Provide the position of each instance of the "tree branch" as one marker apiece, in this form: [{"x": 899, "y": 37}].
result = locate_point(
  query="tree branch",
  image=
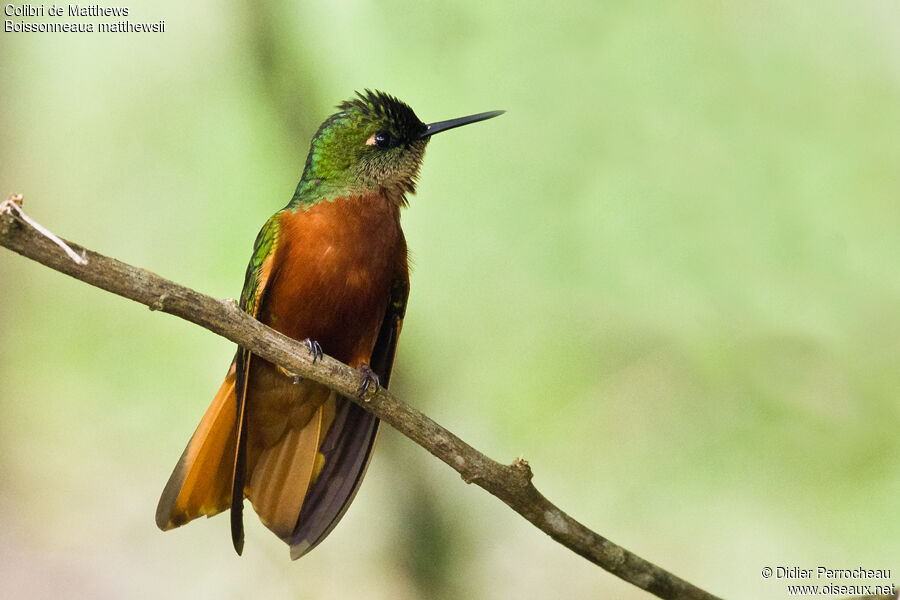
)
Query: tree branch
[{"x": 510, "y": 483}]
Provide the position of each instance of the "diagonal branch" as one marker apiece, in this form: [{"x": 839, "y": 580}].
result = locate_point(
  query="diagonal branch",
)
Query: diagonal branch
[{"x": 510, "y": 483}]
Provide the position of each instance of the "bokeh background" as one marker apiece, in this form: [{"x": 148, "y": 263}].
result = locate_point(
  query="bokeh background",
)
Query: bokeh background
[{"x": 669, "y": 277}]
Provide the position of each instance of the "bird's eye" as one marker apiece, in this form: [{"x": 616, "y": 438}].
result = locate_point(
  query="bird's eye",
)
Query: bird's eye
[{"x": 384, "y": 139}]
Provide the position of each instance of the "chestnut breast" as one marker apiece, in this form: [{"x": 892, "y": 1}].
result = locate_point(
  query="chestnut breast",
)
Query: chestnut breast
[{"x": 332, "y": 274}]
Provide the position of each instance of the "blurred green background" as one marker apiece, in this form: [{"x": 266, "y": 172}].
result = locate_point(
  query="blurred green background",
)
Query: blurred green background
[{"x": 669, "y": 277}]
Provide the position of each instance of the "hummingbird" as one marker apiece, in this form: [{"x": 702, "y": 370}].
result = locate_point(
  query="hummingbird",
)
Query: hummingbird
[{"x": 329, "y": 269}]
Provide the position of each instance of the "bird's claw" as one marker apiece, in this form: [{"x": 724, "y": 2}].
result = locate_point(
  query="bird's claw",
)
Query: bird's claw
[
  {"x": 315, "y": 349},
  {"x": 369, "y": 381}
]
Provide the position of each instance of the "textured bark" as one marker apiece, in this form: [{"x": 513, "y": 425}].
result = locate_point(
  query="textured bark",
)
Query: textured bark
[{"x": 510, "y": 483}]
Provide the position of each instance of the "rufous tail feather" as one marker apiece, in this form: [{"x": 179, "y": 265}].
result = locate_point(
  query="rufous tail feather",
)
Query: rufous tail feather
[
  {"x": 282, "y": 474},
  {"x": 201, "y": 481}
]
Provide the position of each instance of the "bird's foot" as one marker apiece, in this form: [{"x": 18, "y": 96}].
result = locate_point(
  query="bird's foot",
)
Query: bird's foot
[
  {"x": 296, "y": 378},
  {"x": 369, "y": 380},
  {"x": 315, "y": 349}
]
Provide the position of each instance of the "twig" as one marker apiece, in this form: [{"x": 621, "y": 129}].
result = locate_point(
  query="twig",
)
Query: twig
[
  {"x": 510, "y": 483},
  {"x": 13, "y": 204}
]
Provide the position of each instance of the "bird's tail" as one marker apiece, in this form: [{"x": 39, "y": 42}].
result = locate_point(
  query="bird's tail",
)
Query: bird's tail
[
  {"x": 300, "y": 486},
  {"x": 280, "y": 476}
]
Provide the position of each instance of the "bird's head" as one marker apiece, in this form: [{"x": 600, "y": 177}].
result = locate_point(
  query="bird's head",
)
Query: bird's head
[{"x": 374, "y": 143}]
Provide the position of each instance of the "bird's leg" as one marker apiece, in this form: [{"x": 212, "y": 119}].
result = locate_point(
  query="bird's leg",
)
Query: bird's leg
[
  {"x": 369, "y": 380},
  {"x": 315, "y": 350}
]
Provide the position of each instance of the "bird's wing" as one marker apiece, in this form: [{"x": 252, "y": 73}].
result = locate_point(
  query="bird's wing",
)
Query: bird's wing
[
  {"x": 347, "y": 446},
  {"x": 259, "y": 272}
]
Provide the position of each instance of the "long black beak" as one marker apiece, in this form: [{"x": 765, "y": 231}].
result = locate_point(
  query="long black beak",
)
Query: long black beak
[{"x": 440, "y": 126}]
